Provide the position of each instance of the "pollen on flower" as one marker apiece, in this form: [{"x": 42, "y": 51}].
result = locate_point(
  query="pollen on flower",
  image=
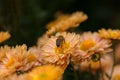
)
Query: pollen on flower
[
  {"x": 63, "y": 47},
  {"x": 87, "y": 44}
]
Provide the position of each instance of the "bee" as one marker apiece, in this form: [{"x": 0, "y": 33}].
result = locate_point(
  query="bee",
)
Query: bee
[
  {"x": 96, "y": 57},
  {"x": 59, "y": 41}
]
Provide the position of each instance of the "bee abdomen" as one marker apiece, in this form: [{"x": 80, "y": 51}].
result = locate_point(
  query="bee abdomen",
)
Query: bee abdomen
[{"x": 59, "y": 40}]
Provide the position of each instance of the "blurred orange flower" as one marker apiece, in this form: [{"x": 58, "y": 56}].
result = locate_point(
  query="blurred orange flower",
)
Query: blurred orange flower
[
  {"x": 110, "y": 34},
  {"x": 64, "y": 22},
  {"x": 4, "y": 36},
  {"x": 47, "y": 72},
  {"x": 16, "y": 59}
]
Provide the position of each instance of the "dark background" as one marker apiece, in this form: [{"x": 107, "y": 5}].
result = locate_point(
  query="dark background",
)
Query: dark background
[{"x": 26, "y": 19}]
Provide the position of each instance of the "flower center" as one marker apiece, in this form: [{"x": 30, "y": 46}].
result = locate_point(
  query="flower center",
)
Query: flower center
[
  {"x": 87, "y": 44},
  {"x": 62, "y": 48}
]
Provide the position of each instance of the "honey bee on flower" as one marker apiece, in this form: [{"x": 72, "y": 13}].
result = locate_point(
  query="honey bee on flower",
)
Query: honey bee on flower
[
  {"x": 59, "y": 48},
  {"x": 60, "y": 41}
]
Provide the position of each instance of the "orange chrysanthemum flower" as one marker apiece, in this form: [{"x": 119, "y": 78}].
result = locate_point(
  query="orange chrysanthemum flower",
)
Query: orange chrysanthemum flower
[
  {"x": 90, "y": 43},
  {"x": 17, "y": 59},
  {"x": 110, "y": 34},
  {"x": 4, "y": 36},
  {"x": 42, "y": 40},
  {"x": 65, "y": 22},
  {"x": 57, "y": 50},
  {"x": 105, "y": 63},
  {"x": 47, "y": 72}
]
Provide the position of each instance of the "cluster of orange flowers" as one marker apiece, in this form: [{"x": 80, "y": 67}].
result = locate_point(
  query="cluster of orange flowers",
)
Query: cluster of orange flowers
[{"x": 57, "y": 48}]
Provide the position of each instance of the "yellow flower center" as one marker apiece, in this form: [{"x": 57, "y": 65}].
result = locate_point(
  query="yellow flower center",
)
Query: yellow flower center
[
  {"x": 87, "y": 44},
  {"x": 116, "y": 77},
  {"x": 62, "y": 48},
  {"x": 10, "y": 62}
]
